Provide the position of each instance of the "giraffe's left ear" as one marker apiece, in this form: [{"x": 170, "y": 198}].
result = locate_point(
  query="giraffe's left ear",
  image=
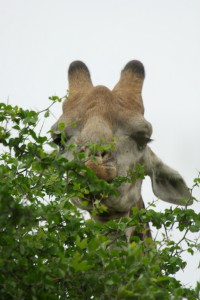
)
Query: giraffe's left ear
[{"x": 167, "y": 183}]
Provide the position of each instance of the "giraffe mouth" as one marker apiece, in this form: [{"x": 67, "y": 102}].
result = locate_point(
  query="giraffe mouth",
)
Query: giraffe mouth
[{"x": 103, "y": 171}]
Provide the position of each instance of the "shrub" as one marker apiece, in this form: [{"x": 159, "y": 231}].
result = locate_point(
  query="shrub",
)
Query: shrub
[{"x": 48, "y": 250}]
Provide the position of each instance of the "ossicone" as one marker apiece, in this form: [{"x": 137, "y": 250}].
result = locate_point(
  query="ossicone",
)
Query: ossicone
[
  {"x": 77, "y": 65},
  {"x": 79, "y": 77},
  {"x": 130, "y": 83},
  {"x": 136, "y": 67}
]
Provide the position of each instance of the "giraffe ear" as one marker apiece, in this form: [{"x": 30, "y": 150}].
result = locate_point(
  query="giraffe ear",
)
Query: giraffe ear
[{"x": 167, "y": 183}]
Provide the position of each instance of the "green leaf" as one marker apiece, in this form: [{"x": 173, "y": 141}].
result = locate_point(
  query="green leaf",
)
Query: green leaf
[
  {"x": 55, "y": 99},
  {"x": 46, "y": 115}
]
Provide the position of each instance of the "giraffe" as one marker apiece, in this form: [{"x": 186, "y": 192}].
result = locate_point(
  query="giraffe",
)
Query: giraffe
[{"x": 101, "y": 114}]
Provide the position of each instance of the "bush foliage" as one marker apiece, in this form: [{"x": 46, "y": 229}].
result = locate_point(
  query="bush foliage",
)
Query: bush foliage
[{"x": 48, "y": 250}]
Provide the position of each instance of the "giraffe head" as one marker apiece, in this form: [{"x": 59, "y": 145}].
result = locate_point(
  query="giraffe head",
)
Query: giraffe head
[{"x": 116, "y": 116}]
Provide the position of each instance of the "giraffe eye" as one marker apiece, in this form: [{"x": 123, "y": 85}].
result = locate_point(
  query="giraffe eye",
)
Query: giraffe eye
[
  {"x": 141, "y": 141},
  {"x": 58, "y": 140}
]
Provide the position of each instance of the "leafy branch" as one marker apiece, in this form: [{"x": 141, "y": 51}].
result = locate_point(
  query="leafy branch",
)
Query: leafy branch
[{"x": 48, "y": 250}]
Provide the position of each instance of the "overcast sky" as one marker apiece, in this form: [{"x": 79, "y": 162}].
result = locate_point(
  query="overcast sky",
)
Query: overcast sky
[{"x": 40, "y": 38}]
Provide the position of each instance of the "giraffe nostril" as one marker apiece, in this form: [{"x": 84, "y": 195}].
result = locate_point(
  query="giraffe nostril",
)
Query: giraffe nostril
[
  {"x": 101, "y": 154},
  {"x": 85, "y": 150}
]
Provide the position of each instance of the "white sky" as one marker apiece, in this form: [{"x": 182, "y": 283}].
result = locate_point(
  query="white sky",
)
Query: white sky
[{"x": 40, "y": 38}]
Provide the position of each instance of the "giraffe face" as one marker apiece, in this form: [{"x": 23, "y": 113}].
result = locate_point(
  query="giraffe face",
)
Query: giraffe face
[{"x": 99, "y": 115}]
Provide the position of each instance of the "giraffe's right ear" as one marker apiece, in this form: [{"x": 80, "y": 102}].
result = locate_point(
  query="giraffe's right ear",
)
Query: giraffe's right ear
[
  {"x": 167, "y": 183},
  {"x": 79, "y": 77}
]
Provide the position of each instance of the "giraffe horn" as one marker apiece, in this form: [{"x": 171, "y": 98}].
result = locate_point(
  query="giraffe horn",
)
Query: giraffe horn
[
  {"x": 79, "y": 77},
  {"x": 132, "y": 77},
  {"x": 131, "y": 81}
]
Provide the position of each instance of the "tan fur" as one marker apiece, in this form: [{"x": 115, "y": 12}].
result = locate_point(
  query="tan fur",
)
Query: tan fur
[{"x": 101, "y": 116}]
